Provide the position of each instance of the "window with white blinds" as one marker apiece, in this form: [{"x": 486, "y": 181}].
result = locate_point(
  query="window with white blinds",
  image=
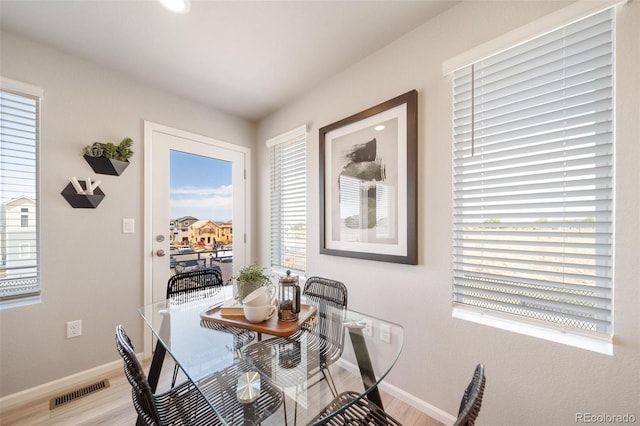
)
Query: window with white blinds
[
  {"x": 533, "y": 179},
  {"x": 19, "y": 220},
  {"x": 289, "y": 200}
]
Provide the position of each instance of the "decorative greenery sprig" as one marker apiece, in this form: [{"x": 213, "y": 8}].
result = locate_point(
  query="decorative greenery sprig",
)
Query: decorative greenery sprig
[
  {"x": 250, "y": 278},
  {"x": 124, "y": 149},
  {"x": 253, "y": 274},
  {"x": 110, "y": 150},
  {"x": 120, "y": 152}
]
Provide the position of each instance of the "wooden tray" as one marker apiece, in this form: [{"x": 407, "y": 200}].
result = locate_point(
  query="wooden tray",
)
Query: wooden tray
[{"x": 271, "y": 326}]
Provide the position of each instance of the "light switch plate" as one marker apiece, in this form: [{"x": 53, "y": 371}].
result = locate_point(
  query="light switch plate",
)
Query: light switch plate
[
  {"x": 128, "y": 226},
  {"x": 368, "y": 327},
  {"x": 385, "y": 333}
]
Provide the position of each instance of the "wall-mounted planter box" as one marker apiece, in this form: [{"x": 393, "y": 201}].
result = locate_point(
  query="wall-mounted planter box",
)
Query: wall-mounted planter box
[
  {"x": 82, "y": 201},
  {"x": 106, "y": 166}
]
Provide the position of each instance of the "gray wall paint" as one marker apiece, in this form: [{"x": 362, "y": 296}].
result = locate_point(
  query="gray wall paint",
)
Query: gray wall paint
[
  {"x": 530, "y": 381},
  {"x": 90, "y": 270}
]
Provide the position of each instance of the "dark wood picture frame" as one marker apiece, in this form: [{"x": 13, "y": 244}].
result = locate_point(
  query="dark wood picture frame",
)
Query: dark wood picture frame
[{"x": 368, "y": 183}]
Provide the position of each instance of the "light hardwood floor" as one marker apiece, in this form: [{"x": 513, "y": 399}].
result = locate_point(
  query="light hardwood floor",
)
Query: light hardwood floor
[{"x": 113, "y": 407}]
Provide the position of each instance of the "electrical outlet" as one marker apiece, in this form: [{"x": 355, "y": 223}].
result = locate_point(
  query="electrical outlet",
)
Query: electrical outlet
[
  {"x": 368, "y": 327},
  {"x": 74, "y": 329},
  {"x": 385, "y": 332}
]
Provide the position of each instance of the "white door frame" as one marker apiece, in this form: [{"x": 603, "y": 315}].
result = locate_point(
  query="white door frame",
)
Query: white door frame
[{"x": 149, "y": 129}]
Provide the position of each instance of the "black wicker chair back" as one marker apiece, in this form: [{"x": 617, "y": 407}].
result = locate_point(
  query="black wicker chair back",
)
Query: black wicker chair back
[
  {"x": 472, "y": 399},
  {"x": 184, "y": 405},
  {"x": 193, "y": 285},
  {"x": 327, "y": 332},
  {"x": 143, "y": 400}
]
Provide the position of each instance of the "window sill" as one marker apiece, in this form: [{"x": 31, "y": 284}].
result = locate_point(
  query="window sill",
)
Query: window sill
[
  {"x": 19, "y": 302},
  {"x": 603, "y": 345}
]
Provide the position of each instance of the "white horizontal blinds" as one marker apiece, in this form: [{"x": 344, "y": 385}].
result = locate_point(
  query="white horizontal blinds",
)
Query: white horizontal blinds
[
  {"x": 19, "y": 268},
  {"x": 533, "y": 178},
  {"x": 289, "y": 204}
]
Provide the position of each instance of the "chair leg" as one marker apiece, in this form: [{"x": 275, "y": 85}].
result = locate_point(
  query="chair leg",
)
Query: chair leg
[
  {"x": 329, "y": 379},
  {"x": 175, "y": 375},
  {"x": 330, "y": 383},
  {"x": 284, "y": 406}
]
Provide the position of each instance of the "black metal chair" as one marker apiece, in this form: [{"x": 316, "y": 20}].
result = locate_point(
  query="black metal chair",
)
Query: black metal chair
[
  {"x": 322, "y": 338},
  {"x": 201, "y": 285},
  {"x": 193, "y": 285},
  {"x": 472, "y": 399},
  {"x": 185, "y": 405},
  {"x": 365, "y": 412},
  {"x": 182, "y": 405}
]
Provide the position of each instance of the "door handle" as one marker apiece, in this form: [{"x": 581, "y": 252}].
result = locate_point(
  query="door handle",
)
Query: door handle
[{"x": 160, "y": 253}]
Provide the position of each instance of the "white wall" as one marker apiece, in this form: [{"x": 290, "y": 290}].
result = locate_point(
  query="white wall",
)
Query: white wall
[
  {"x": 90, "y": 270},
  {"x": 529, "y": 381}
]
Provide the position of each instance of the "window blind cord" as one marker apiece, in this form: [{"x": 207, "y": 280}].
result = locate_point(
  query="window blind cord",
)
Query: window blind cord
[{"x": 473, "y": 110}]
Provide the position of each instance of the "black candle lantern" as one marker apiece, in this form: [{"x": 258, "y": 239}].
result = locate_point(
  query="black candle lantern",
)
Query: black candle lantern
[{"x": 289, "y": 298}]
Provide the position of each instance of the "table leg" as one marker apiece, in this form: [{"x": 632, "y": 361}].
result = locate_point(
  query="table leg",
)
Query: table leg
[
  {"x": 249, "y": 412},
  {"x": 154, "y": 371},
  {"x": 364, "y": 364},
  {"x": 156, "y": 366},
  {"x": 158, "y": 356}
]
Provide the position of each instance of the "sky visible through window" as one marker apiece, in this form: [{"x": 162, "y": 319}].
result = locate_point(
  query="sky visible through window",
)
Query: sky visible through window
[{"x": 200, "y": 186}]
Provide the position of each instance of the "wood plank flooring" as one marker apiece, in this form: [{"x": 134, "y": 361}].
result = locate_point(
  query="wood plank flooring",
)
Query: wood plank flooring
[{"x": 113, "y": 407}]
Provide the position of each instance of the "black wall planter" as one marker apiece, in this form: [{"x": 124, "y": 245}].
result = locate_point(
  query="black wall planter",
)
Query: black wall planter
[
  {"x": 82, "y": 201},
  {"x": 106, "y": 166}
]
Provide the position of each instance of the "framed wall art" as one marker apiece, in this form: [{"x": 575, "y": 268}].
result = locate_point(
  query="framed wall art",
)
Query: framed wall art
[{"x": 368, "y": 183}]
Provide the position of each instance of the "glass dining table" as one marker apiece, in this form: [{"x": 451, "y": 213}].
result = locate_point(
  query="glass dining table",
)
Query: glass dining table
[{"x": 278, "y": 379}]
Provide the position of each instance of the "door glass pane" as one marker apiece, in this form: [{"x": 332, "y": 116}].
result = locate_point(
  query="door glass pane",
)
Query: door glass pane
[{"x": 201, "y": 207}]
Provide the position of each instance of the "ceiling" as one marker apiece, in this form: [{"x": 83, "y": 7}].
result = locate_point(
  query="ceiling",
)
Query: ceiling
[{"x": 247, "y": 58}]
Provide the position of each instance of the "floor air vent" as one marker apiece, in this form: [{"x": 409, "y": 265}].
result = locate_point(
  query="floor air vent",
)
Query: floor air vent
[{"x": 78, "y": 393}]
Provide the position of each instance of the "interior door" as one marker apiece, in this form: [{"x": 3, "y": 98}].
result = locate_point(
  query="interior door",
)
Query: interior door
[{"x": 160, "y": 143}]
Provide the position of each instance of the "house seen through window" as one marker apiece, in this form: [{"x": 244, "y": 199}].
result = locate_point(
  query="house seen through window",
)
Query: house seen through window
[{"x": 19, "y": 238}]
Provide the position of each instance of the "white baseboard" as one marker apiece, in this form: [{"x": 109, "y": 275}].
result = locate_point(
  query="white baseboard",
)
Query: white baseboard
[
  {"x": 46, "y": 391},
  {"x": 406, "y": 397}
]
